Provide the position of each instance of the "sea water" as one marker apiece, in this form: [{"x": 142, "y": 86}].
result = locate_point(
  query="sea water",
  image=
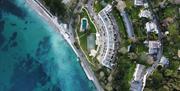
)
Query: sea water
[{"x": 33, "y": 57}]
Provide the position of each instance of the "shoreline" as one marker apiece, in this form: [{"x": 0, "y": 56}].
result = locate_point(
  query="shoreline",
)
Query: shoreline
[{"x": 52, "y": 20}]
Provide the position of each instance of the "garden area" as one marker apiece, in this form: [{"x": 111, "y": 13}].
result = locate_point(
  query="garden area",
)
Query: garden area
[{"x": 83, "y": 36}]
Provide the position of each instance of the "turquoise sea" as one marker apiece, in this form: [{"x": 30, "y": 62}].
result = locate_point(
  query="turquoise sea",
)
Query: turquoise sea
[{"x": 33, "y": 57}]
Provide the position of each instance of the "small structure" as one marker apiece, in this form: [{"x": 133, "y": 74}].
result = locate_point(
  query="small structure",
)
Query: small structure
[
  {"x": 130, "y": 48},
  {"x": 121, "y": 5},
  {"x": 151, "y": 27},
  {"x": 138, "y": 76},
  {"x": 146, "y": 5},
  {"x": 138, "y": 2},
  {"x": 154, "y": 44},
  {"x": 91, "y": 44},
  {"x": 64, "y": 25},
  {"x": 179, "y": 68},
  {"x": 84, "y": 25},
  {"x": 179, "y": 53},
  {"x": 153, "y": 47},
  {"x": 146, "y": 14},
  {"x": 108, "y": 8},
  {"x": 93, "y": 53},
  {"x": 136, "y": 86},
  {"x": 138, "y": 72},
  {"x": 167, "y": 33},
  {"x": 176, "y": 1},
  {"x": 164, "y": 62}
]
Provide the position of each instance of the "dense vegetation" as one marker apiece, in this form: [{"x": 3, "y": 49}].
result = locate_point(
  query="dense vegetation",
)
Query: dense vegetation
[
  {"x": 167, "y": 79},
  {"x": 56, "y": 7},
  {"x": 64, "y": 11},
  {"x": 125, "y": 65}
]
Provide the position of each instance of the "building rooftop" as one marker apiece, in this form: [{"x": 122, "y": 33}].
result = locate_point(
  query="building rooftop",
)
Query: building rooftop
[
  {"x": 138, "y": 2},
  {"x": 138, "y": 72},
  {"x": 151, "y": 27},
  {"x": 136, "y": 86},
  {"x": 138, "y": 77},
  {"x": 145, "y": 13},
  {"x": 164, "y": 61},
  {"x": 121, "y": 5},
  {"x": 128, "y": 24},
  {"x": 153, "y": 46},
  {"x": 106, "y": 38}
]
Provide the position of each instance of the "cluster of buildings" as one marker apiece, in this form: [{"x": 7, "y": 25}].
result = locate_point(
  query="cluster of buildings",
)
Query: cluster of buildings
[
  {"x": 151, "y": 27},
  {"x": 154, "y": 47},
  {"x": 107, "y": 38},
  {"x": 141, "y": 73}
]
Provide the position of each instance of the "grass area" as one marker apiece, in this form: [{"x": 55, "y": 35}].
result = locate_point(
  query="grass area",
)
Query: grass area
[
  {"x": 129, "y": 4},
  {"x": 167, "y": 12},
  {"x": 131, "y": 9},
  {"x": 97, "y": 6},
  {"x": 83, "y": 35}
]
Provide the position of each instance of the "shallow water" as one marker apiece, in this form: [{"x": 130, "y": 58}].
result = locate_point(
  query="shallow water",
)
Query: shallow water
[{"x": 33, "y": 57}]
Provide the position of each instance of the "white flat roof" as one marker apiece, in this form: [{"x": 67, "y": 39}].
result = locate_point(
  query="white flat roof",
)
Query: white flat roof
[{"x": 109, "y": 33}]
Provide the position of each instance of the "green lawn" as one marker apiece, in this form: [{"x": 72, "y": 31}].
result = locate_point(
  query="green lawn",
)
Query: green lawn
[
  {"x": 97, "y": 6},
  {"x": 83, "y": 35},
  {"x": 129, "y": 4}
]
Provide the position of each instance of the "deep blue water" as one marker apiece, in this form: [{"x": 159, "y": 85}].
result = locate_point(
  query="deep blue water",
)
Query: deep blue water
[{"x": 33, "y": 57}]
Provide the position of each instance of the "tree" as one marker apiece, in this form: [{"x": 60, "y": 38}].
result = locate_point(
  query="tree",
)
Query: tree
[{"x": 56, "y": 7}]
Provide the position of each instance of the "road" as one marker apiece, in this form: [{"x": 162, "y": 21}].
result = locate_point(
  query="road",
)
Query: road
[{"x": 54, "y": 23}]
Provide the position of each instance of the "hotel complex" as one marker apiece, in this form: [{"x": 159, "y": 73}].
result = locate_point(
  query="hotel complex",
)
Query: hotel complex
[{"x": 107, "y": 39}]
